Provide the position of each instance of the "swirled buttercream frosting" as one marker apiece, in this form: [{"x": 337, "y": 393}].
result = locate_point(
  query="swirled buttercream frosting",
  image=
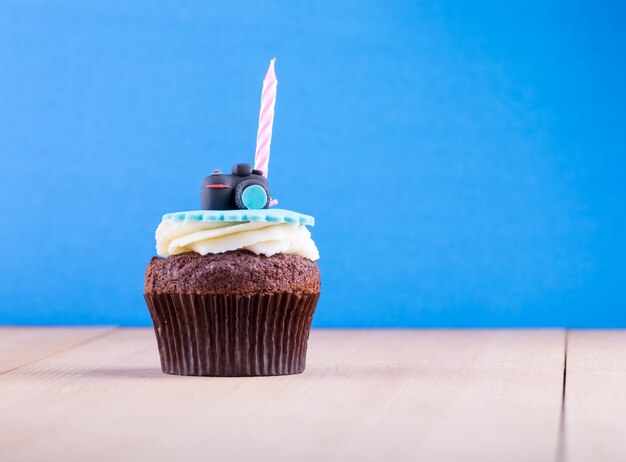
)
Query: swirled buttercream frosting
[{"x": 204, "y": 234}]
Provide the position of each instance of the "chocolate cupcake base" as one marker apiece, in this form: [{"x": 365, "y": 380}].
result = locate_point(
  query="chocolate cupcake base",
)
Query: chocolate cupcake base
[{"x": 232, "y": 334}]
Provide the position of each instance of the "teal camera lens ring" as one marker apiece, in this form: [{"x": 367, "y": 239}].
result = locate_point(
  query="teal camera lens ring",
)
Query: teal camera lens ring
[{"x": 254, "y": 197}]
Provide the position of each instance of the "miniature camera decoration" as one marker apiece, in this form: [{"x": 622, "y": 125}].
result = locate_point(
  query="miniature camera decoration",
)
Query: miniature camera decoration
[{"x": 245, "y": 188}]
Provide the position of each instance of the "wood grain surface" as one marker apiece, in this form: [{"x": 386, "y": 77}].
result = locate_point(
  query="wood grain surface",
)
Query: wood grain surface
[
  {"x": 595, "y": 396},
  {"x": 20, "y": 346},
  {"x": 99, "y": 395}
]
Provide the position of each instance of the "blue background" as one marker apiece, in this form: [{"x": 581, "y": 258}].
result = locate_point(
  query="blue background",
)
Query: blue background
[{"x": 464, "y": 160}]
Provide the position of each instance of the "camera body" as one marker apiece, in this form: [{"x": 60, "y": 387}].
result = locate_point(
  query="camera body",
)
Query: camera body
[{"x": 244, "y": 188}]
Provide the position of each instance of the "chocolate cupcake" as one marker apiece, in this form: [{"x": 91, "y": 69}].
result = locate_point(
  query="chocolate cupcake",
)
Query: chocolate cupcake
[
  {"x": 235, "y": 285},
  {"x": 233, "y": 292}
]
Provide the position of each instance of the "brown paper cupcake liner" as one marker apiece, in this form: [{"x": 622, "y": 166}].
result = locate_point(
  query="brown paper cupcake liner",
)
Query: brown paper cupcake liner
[{"x": 232, "y": 335}]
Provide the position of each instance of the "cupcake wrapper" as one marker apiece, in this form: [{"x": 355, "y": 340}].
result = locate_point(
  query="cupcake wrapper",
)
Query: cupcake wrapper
[{"x": 232, "y": 335}]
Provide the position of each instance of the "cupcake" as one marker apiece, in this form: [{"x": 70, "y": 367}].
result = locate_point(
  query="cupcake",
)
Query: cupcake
[{"x": 234, "y": 287}]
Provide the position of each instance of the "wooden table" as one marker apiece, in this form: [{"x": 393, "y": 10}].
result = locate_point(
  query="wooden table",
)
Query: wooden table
[{"x": 366, "y": 395}]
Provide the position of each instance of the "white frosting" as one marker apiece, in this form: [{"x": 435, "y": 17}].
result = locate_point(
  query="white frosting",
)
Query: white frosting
[{"x": 174, "y": 237}]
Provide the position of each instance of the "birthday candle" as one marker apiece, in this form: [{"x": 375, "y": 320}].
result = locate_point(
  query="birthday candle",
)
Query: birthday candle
[{"x": 266, "y": 120}]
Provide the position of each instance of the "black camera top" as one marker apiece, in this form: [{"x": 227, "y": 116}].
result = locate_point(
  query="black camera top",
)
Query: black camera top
[{"x": 245, "y": 188}]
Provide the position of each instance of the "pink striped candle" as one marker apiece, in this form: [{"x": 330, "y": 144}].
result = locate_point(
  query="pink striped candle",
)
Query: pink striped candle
[{"x": 266, "y": 120}]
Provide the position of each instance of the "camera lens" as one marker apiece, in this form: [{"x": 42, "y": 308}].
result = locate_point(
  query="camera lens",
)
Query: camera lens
[{"x": 251, "y": 194}]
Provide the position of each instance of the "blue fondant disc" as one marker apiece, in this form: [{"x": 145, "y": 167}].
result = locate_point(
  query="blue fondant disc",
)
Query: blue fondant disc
[{"x": 269, "y": 215}]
